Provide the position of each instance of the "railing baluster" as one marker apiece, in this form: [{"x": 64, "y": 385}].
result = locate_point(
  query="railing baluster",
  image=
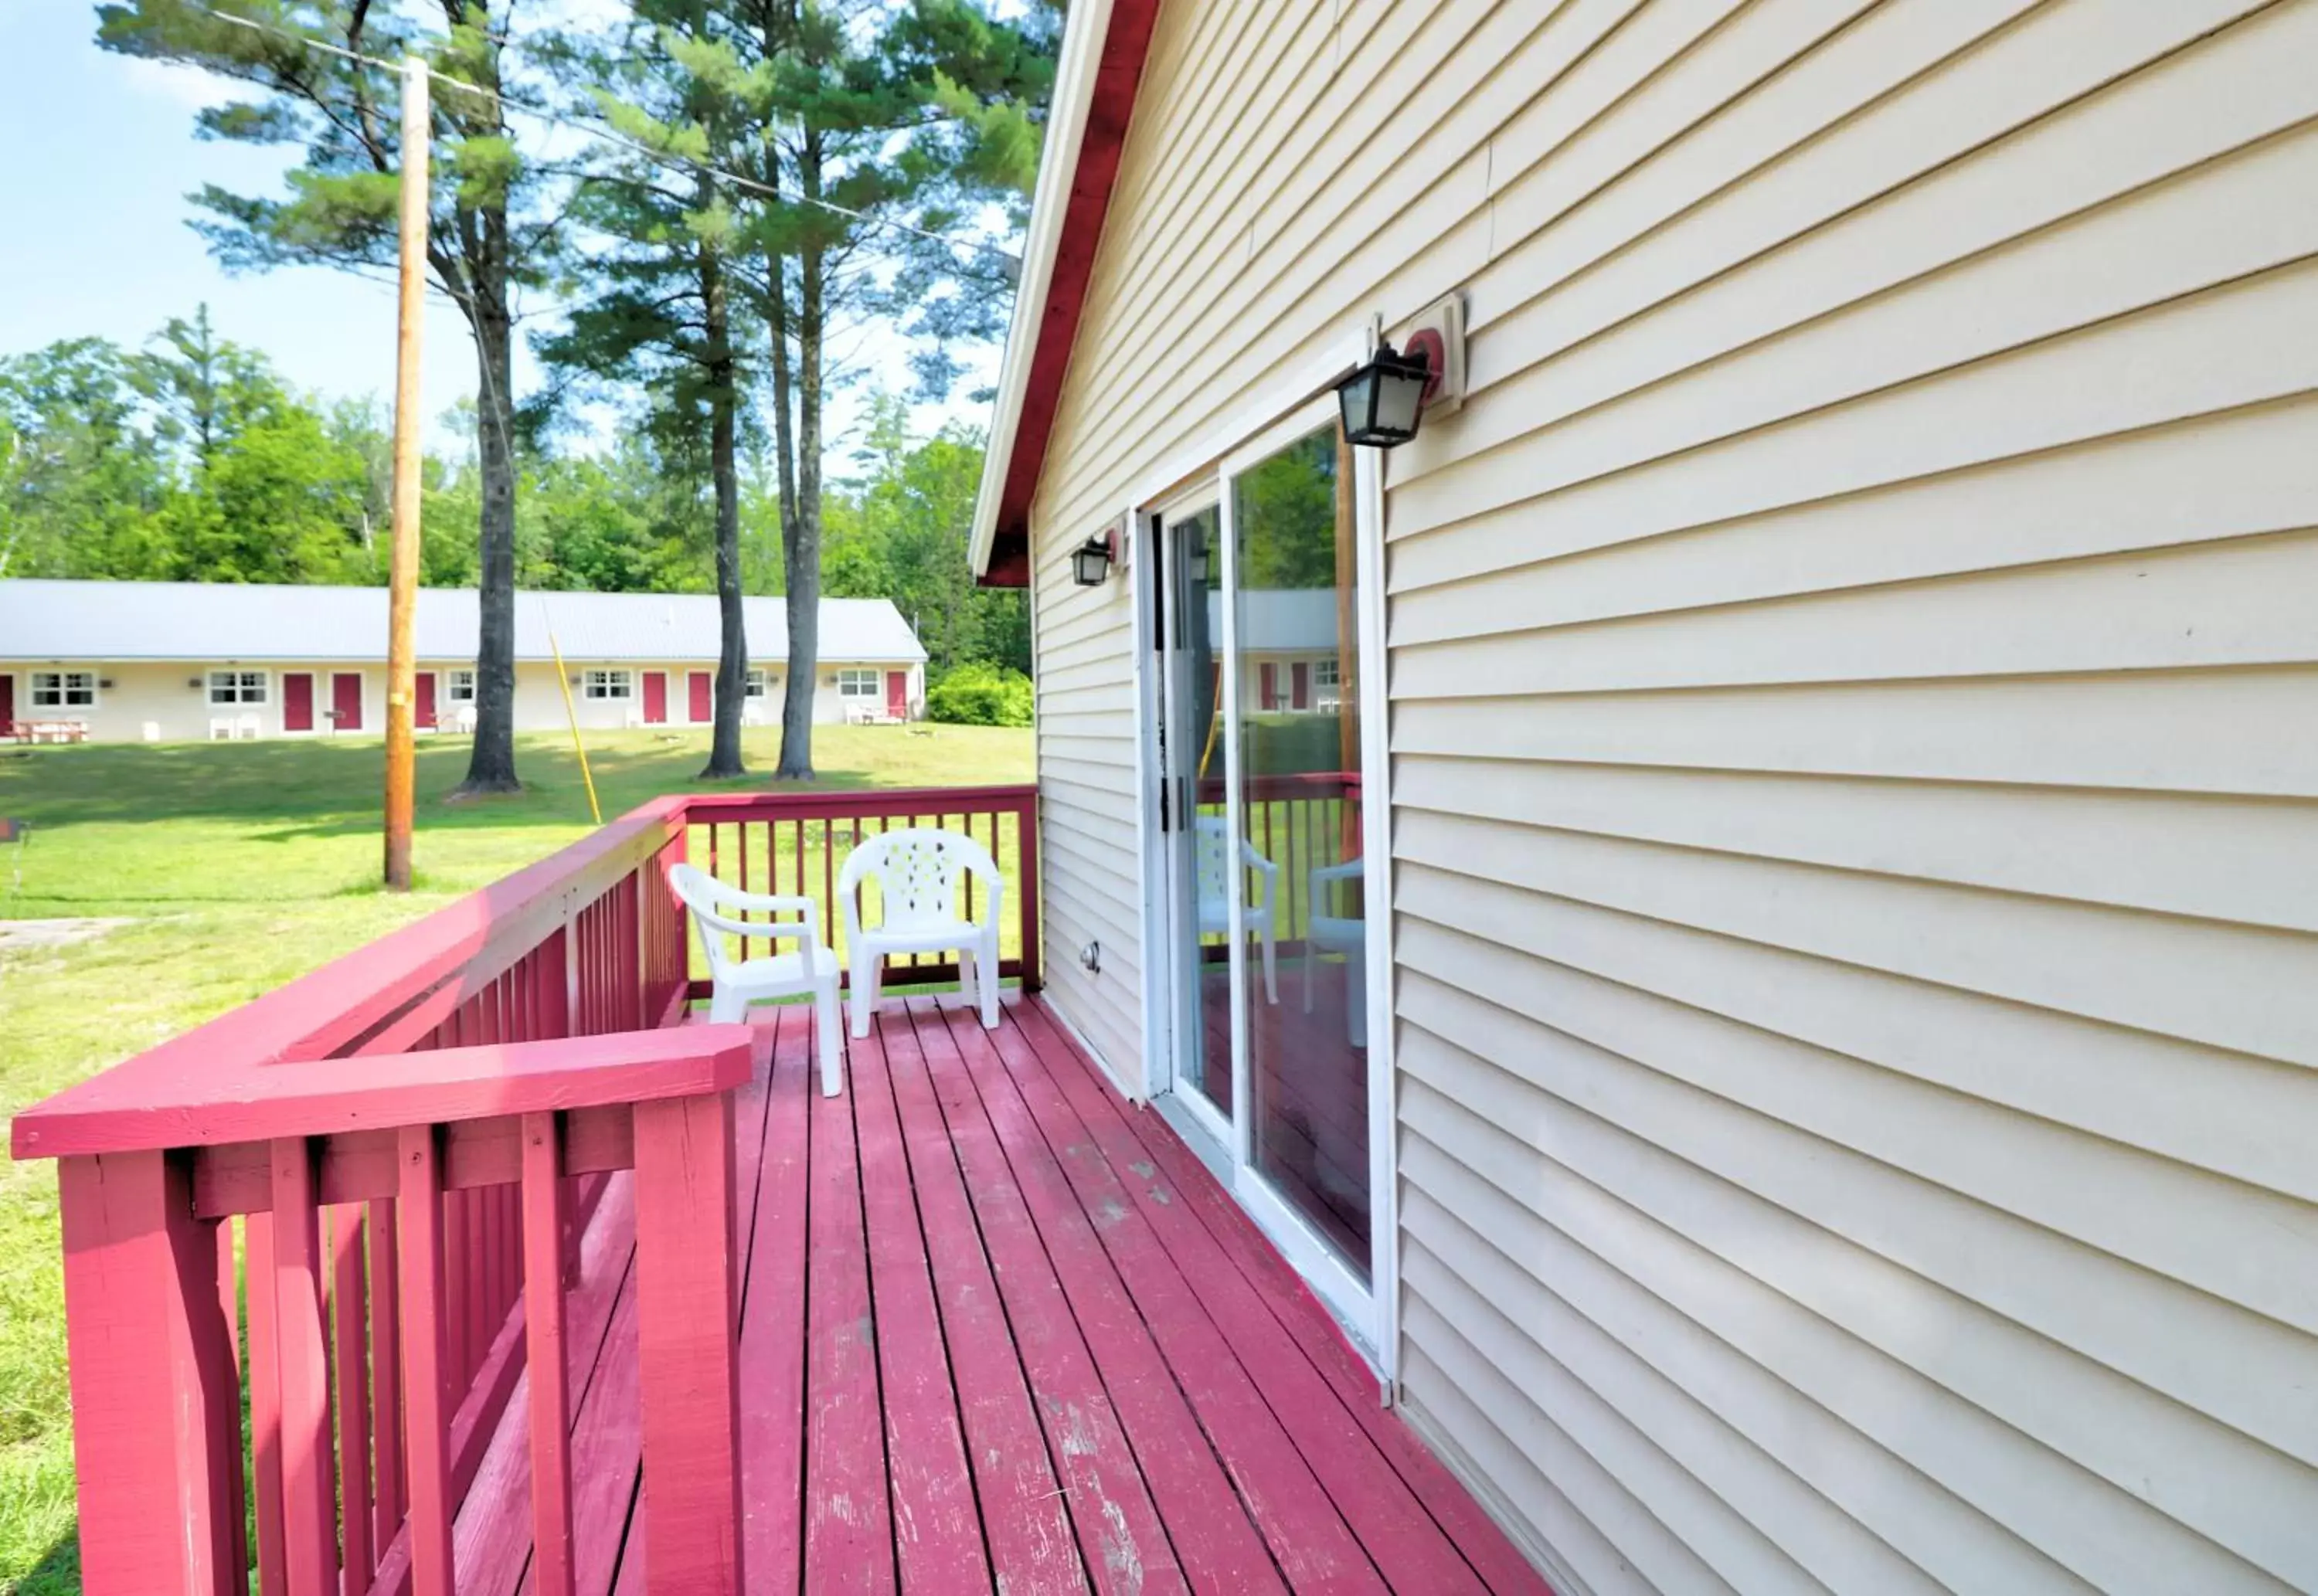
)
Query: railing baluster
[
  {"x": 233, "y": 1371},
  {"x": 544, "y": 1213},
  {"x": 386, "y": 1376},
  {"x": 153, "y": 1402},
  {"x": 264, "y": 1403},
  {"x": 686, "y": 1301},
  {"x": 308, "y": 1502},
  {"x": 426, "y": 1405},
  {"x": 350, "y": 1364}
]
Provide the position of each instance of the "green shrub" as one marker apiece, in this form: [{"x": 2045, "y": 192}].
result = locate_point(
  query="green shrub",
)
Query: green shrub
[{"x": 981, "y": 694}]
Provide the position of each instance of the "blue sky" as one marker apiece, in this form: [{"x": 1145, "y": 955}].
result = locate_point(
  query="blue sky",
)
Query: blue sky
[{"x": 101, "y": 155}]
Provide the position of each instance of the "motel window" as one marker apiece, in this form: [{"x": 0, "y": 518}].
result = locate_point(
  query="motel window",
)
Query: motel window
[
  {"x": 860, "y": 684},
  {"x": 459, "y": 686},
  {"x": 611, "y": 684},
  {"x": 760, "y": 682},
  {"x": 64, "y": 689},
  {"x": 236, "y": 687},
  {"x": 1324, "y": 673}
]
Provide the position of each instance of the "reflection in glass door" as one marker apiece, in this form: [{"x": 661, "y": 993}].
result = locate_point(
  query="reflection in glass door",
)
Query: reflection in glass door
[
  {"x": 1295, "y": 672},
  {"x": 1192, "y": 806}
]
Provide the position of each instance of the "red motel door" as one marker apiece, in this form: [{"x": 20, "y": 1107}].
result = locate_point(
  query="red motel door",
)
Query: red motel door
[
  {"x": 1299, "y": 687},
  {"x": 297, "y": 701},
  {"x": 424, "y": 714},
  {"x": 1267, "y": 677},
  {"x": 346, "y": 699},
  {"x": 698, "y": 688},
  {"x": 655, "y": 698},
  {"x": 897, "y": 694},
  {"x": 8, "y": 701}
]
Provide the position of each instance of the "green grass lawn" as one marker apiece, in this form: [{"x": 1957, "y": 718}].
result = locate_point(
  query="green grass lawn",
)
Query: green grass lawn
[{"x": 231, "y": 868}]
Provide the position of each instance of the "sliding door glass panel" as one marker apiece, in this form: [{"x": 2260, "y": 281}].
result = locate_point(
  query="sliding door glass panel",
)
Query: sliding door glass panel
[
  {"x": 1193, "y": 754},
  {"x": 1297, "y": 674}
]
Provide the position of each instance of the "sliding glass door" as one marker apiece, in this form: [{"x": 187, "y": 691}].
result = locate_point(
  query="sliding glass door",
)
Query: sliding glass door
[{"x": 1262, "y": 742}]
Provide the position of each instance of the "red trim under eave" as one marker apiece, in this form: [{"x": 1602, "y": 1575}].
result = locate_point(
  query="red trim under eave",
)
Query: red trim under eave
[{"x": 1111, "y": 108}]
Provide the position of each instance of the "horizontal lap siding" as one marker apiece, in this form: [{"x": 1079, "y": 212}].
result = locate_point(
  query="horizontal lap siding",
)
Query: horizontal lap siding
[
  {"x": 1855, "y": 819},
  {"x": 1855, "y": 828}
]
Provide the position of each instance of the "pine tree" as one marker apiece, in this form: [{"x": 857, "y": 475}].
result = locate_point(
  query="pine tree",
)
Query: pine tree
[
  {"x": 917, "y": 114},
  {"x": 654, "y": 258}
]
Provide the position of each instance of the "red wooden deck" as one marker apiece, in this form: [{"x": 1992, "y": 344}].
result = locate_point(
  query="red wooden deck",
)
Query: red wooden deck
[{"x": 999, "y": 1330}]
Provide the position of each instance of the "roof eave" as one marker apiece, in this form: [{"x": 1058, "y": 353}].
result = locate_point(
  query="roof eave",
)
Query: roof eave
[{"x": 1103, "y": 47}]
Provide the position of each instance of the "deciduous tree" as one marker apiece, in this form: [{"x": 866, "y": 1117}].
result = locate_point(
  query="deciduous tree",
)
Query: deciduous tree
[{"x": 339, "y": 211}]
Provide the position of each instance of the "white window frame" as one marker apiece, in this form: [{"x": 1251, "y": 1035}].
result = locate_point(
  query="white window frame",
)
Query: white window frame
[
  {"x": 759, "y": 684},
  {"x": 63, "y": 689},
  {"x": 1327, "y": 673},
  {"x": 850, "y": 680},
  {"x": 608, "y": 686},
  {"x": 239, "y": 685},
  {"x": 459, "y": 687}
]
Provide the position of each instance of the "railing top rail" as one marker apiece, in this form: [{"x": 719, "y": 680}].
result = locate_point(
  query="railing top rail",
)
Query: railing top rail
[
  {"x": 120, "y": 1113},
  {"x": 704, "y": 807}
]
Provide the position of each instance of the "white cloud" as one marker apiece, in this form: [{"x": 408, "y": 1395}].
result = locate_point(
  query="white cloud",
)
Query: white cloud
[{"x": 188, "y": 87}]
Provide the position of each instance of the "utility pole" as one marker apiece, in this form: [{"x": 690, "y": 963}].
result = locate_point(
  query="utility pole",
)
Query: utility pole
[{"x": 402, "y": 559}]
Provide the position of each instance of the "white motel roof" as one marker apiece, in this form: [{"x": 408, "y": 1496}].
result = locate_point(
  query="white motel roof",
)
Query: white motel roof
[{"x": 64, "y": 621}]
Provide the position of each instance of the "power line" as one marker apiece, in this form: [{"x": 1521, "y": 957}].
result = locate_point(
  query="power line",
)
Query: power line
[{"x": 634, "y": 147}]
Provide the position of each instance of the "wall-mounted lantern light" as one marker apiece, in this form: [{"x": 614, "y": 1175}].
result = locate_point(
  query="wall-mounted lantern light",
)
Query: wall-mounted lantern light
[
  {"x": 1382, "y": 401},
  {"x": 1091, "y": 562}
]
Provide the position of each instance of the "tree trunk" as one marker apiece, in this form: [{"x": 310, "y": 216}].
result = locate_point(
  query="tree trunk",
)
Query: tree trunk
[
  {"x": 491, "y": 765},
  {"x": 803, "y": 563},
  {"x": 725, "y": 759}
]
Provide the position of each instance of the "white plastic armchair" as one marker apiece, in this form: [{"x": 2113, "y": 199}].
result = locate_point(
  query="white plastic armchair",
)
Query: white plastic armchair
[
  {"x": 917, "y": 873},
  {"x": 736, "y": 983},
  {"x": 1338, "y": 933},
  {"x": 1216, "y": 874}
]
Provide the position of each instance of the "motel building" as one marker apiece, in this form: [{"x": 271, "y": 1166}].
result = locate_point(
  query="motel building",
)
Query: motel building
[{"x": 180, "y": 661}]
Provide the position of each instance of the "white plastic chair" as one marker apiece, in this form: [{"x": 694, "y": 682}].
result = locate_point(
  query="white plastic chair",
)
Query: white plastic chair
[
  {"x": 917, "y": 874},
  {"x": 221, "y": 728},
  {"x": 737, "y": 983},
  {"x": 246, "y": 728},
  {"x": 1339, "y": 933},
  {"x": 1216, "y": 885}
]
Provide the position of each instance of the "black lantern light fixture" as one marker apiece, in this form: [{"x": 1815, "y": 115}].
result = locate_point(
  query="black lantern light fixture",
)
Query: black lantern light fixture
[
  {"x": 1091, "y": 562},
  {"x": 1383, "y": 401}
]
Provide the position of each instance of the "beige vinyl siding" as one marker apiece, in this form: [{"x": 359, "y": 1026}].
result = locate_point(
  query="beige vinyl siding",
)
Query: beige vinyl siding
[
  {"x": 1084, "y": 640},
  {"x": 1855, "y": 810}
]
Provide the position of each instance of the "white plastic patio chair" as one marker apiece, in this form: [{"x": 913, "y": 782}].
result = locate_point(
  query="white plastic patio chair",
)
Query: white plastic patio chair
[
  {"x": 1216, "y": 882},
  {"x": 917, "y": 873},
  {"x": 1339, "y": 933},
  {"x": 738, "y": 983}
]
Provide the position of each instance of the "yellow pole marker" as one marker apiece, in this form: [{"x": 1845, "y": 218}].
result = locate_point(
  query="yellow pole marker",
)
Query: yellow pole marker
[{"x": 571, "y": 714}]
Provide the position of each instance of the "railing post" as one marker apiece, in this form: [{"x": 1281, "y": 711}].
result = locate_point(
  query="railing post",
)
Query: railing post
[
  {"x": 688, "y": 1310},
  {"x": 1027, "y": 851},
  {"x": 545, "y": 1216},
  {"x": 156, "y": 1420}
]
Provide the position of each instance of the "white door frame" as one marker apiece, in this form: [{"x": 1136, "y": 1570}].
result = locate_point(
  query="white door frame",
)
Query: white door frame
[{"x": 1369, "y": 1309}]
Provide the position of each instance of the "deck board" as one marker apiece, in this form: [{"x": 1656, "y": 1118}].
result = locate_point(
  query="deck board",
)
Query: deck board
[{"x": 1000, "y": 1328}]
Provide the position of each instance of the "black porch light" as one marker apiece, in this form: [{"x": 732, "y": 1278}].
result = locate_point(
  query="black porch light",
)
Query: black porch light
[
  {"x": 1091, "y": 561},
  {"x": 1383, "y": 400}
]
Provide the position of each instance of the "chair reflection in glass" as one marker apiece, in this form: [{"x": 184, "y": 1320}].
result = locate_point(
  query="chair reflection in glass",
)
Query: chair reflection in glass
[
  {"x": 1258, "y": 918},
  {"x": 1328, "y": 933}
]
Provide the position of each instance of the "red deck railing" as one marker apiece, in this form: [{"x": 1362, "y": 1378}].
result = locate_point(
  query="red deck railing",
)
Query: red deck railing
[{"x": 345, "y": 1199}]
